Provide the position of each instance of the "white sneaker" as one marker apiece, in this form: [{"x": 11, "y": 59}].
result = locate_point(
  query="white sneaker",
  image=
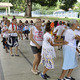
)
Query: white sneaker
[{"x": 34, "y": 72}]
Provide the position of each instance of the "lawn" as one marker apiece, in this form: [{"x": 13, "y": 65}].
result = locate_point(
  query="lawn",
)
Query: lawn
[{"x": 46, "y": 18}]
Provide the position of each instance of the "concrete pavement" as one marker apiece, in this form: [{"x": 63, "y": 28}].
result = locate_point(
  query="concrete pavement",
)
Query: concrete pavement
[{"x": 19, "y": 68}]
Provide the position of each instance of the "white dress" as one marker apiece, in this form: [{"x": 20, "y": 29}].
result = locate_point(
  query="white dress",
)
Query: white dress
[
  {"x": 48, "y": 52},
  {"x": 69, "y": 51}
]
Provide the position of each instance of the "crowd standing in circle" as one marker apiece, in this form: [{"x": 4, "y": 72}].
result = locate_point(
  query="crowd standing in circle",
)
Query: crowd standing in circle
[{"x": 44, "y": 36}]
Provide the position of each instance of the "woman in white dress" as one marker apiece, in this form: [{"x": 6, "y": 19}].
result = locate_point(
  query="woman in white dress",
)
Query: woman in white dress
[
  {"x": 69, "y": 52},
  {"x": 48, "y": 52}
]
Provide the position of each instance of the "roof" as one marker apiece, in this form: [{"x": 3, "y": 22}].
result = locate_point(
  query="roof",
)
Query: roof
[{"x": 3, "y": 4}]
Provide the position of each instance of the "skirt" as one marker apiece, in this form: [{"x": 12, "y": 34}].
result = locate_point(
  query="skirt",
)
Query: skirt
[
  {"x": 69, "y": 55},
  {"x": 13, "y": 41},
  {"x": 47, "y": 58}
]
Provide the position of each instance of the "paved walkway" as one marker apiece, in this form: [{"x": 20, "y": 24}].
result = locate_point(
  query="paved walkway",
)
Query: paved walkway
[{"x": 19, "y": 68}]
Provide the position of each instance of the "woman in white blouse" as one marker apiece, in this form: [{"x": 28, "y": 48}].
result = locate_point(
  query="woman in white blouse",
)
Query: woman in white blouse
[{"x": 69, "y": 52}]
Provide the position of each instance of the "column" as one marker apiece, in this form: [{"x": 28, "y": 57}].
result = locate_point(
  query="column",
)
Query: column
[{"x": 6, "y": 10}]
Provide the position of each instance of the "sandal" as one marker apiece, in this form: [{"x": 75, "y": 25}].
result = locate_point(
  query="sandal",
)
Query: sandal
[{"x": 16, "y": 55}]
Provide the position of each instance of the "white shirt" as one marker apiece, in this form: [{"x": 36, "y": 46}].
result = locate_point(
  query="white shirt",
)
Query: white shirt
[
  {"x": 65, "y": 31},
  {"x": 26, "y": 28},
  {"x": 46, "y": 45},
  {"x": 5, "y": 34},
  {"x": 60, "y": 29},
  {"x": 10, "y": 28},
  {"x": 46, "y": 37},
  {"x": 70, "y": 38},
  {"x": 37, "y": 36},
  {"x": 77, "y": 31}
]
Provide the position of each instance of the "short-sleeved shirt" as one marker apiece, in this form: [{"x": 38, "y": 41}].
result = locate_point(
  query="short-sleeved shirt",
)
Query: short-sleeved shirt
[
  {"x": 60, "y": 29},
  {"x": 10, "y": 28},
  {"x": 37, "y": 36},
  {"x": 77, "y": 31},
  {"x": 46, "y": 37},
  {"x": 70, "y": 38}
]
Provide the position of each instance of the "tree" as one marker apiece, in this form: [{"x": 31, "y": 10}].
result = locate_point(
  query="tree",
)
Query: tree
[
  {"x": 41, "y": 2},
  {"x": 66, "y": 4},
  {"x": 26, "y": 5}
]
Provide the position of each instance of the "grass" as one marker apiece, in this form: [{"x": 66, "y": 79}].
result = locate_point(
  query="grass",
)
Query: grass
[
  {"x": 46, "y": 18},
  {"x": 18, "y": 17}
]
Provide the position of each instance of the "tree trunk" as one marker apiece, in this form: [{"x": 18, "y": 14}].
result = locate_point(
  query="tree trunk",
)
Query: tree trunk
[{"x": 28, "y": 8}]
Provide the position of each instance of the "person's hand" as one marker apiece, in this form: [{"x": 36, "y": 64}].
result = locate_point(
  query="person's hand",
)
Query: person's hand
[
  {"x": 38, "y": 46},
  {"x": 59, "y": 37},
  {"x": 65, "y": 43},
  {"x": 13, "y": 31}
]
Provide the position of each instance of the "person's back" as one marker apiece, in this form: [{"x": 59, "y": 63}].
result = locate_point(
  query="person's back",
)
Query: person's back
[{"x": 59, "y": 29}]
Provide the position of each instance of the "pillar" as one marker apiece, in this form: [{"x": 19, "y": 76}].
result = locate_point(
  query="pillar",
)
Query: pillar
[{"x": 6, "y": 10}]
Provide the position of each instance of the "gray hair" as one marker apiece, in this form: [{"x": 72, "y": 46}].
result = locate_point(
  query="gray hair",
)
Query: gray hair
[{"x": 73, "y": 21}]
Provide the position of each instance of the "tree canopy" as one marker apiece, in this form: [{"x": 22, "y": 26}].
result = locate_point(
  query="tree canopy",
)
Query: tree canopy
[{"x": 23, "y": 5}]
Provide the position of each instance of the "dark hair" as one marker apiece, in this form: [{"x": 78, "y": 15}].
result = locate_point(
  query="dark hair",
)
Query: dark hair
[
  {"x": 55, "y": 23},
  {"x": 3, "y": 17},
  {"x": 63, "y": 22},
  {"x": 26, "y": 21},
  {"x": 43, "y": 20},
  {"x": 31, "y": 21},
  {"x": 68, "y": 24},
  {"x": 60, "y": 22},
  {"x": 20, "y": 21},
  {"x": 48, "y": 29},
  {"x": 13, "y": 19}
]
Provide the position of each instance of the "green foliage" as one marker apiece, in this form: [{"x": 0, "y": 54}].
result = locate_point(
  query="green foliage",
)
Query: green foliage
[
  {"x": 20, "y": 5},
  {"x": 68, "y": 4},
  {"x": 45, "y": 2}
]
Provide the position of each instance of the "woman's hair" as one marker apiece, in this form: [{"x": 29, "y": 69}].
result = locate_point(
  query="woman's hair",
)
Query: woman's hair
[
  {"x": 48, "y": 28},
  {"x": 73, "y": 21},
  {"x": 26, "y": 21},
  {"x": 31, "y": 21},
  {"x": 55, "y": 23},
  {"x": 20, "y": 21},
  {"x": 60, "y": 23},
  {"x": 13, "y": 19},
  {"x": 7, "y": 22}
]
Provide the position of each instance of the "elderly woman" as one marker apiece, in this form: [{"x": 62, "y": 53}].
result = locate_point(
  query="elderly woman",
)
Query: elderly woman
[
  {"x": 36, "y": 37},
  {"x": 69, "y": 52}
]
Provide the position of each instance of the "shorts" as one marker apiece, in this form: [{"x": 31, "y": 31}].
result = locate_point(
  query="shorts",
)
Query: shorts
[
  {"x": 26, "y": 32},
  {"x": 35, "y": 50}
]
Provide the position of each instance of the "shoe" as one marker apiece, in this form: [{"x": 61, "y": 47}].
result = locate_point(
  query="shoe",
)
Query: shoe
[
  {"x": 16, "y": 55},
  {"x": 34, "y": 72},
  {"x": 12, "y": 55},
  {"x": 38, "y": 71},
  {"x": 71, "y": 78},
  {"x": 47, "y": 76},
  {"x": 79, "y": 54},
  {"x": 43, "y": 76},
  {"x": 60, "y": 79}
]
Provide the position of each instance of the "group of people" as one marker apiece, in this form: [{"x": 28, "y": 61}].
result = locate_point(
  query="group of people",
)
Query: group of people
[
  {"x": 12, "y": 31},
  {"x": 44, "y": 36}
]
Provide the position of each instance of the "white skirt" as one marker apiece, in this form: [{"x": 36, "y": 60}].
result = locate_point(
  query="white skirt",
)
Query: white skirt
[{"x": 47, "y": 57}]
